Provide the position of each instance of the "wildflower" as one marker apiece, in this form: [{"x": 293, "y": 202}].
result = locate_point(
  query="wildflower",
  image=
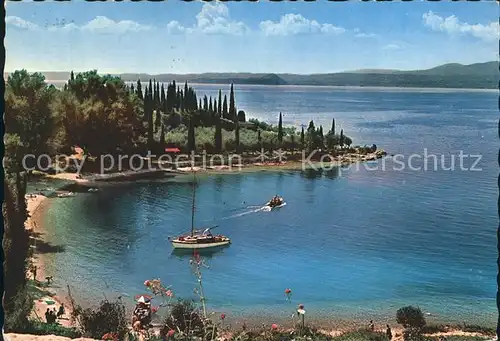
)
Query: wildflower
[
  {"x": 147, "y": 283},
  {"x": 169, "y": 293},
  {"x": 288, "y": 291},
  {"x": 154, "y": 309},
  {"x": 301, "y": 310},
  {"x": 274, "y": 326},
  {"x": 170, "y": 333},
  {"x": 222, "y": 316}
]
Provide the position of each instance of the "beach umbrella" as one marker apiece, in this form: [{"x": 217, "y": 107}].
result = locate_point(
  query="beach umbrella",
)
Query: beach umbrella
[{"x": 143, "y": 298}]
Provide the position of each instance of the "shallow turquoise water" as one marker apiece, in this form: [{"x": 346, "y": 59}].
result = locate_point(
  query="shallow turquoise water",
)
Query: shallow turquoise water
[{"x": 349, "y": 243}]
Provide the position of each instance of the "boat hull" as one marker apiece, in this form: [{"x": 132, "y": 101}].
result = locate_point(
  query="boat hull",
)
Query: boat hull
[{"x": 181, "y": 245}]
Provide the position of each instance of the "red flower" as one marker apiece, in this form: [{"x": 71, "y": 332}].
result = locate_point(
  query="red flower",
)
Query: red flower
[
  {"x": 147, "y": 283},
  {"x": 222, "y": 316},
  {"x": 154, "y": 309},
  {"x": 288, "y": 291},
  {"x": 274, "y": 326},
  {"x": 171, "y": 332},
  {"x": 169, "y": 293}
]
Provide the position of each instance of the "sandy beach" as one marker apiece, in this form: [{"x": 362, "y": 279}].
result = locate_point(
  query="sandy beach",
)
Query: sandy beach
[{"x": 35, "y": 207}]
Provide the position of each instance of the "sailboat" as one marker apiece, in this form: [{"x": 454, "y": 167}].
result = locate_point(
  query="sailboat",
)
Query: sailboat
[{"x": 197, "y": 239}]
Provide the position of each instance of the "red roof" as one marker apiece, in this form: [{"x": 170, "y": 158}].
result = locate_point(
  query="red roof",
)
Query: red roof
[{"x": 172, "y": 150}]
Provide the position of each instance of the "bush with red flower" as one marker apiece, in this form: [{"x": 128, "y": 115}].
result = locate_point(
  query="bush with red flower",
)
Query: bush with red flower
[{"x": 110, "y": 337}]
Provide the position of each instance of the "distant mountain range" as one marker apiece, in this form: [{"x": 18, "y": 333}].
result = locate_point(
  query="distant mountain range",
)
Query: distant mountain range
[{"x": 473, "y": 76}]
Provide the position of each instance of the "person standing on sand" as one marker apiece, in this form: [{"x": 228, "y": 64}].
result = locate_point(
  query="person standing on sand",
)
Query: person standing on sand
[
  {"x": 388, "y": 332},
  {"x": 47, "y": 316},
  {"x": 372, "y": 326}
]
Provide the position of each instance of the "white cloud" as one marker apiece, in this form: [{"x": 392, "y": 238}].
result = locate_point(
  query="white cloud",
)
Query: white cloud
[
  {"x": 452, "y": 25},
  {"x": 99, "y": 24},
  {"x": 20, "y": 23},
  {"x": 392, "y": 47},
  {"x": 291, "y": 24},
  {"x": 365, "y": 35},
  {"x": 103, "y": 24},
  {"x": 212, "y": 19}
]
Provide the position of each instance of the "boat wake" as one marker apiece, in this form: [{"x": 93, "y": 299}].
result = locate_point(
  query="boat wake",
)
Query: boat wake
[{"x": 253, "y": 209}]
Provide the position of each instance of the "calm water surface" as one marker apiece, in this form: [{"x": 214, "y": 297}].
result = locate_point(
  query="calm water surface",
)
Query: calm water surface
[{"x": 350, "y": 243}]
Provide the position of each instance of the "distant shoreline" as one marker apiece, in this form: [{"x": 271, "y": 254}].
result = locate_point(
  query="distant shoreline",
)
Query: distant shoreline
[{"x": 337, "y": 87}]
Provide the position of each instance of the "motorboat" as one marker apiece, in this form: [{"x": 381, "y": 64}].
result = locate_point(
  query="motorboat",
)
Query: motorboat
[
  {"x": 92, "y": 190},
  {"x": 197, "y": 239},
  {"x": 66, "y": 195},
  {"x": 276, "y": 202}
]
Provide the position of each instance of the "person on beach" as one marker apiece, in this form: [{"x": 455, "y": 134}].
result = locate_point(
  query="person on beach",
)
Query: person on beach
[
  {"x": 47, "y": 315},
  {"x": 372, "y": 326},
  {"x": 388, "y": 332},
  {"x": 60, "y": 313}
]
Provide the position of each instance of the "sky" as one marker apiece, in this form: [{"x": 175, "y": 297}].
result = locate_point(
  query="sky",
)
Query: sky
[{"x": 269, "y": 37}]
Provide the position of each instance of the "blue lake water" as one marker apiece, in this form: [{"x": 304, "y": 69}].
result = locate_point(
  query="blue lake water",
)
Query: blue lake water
[{"x": 350, "y": 243}]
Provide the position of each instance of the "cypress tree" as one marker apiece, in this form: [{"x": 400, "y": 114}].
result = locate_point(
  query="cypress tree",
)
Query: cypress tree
[
  {"x": 215, "y": 106},
  {"x": 132, "y": 88},
  {"x": 218, "y": 134},
  {"x": 280, "y": 129},
  {"x": 341, "y": 137},
  {"x": 333, "y": 126},
  {"x": 237, "y": 136},
  {"x": 205, "y": 103},
  {"x": 224, "y": 108},
  {"x": 321, "y": 137},
  {"x": 150, "y": 119},
  {"x": 302, "y": 137},
  {"x": 232, "y": 106},
  {"x": 145, "y": 104},
  {"x": 210, "y": 107},
  {"x": 219, "y": 108},
  {"x": 163, "y": 97},
  {"x": 139, "y": 90},
  {"x": 187, "y": 105},
  {"x": 191, "y": 139}
]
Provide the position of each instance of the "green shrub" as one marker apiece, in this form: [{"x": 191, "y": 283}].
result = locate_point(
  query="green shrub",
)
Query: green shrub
[
  {"x": 434, "y": 328},
  {"x": 42, "y": 328},
  {"x": 478, "y": 329},
  {"x": 410, "y": 317},
  {"x": 361, "y": 335},
  {"x": 109, "y": 317},
  {"x": 185, "y": 317}
]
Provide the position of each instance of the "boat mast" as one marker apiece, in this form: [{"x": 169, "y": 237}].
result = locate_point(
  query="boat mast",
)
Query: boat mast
[{"x": 192, "y": 213}]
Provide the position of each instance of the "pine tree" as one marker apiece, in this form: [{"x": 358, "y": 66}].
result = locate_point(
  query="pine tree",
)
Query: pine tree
[
  {"x": 280, "y": 129},
  {"x": 232, "y": 106}
]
